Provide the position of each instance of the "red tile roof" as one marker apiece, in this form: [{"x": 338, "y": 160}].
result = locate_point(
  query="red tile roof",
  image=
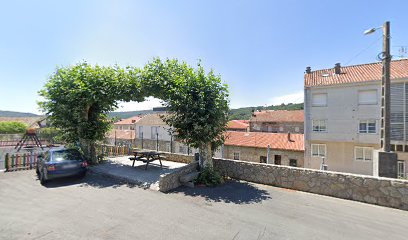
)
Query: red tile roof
[
  {"x": 278, "y": 141},
  {"x": 122, "y": 134},
  {"x": 356, "y": 73},
  {"x": 238, "y": 124},
  {"x": 128, "y": 121},
  {"x": 278, "y": 116}
]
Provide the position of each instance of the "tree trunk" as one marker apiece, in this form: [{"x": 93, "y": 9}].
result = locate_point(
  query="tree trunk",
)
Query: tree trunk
[{"x": 205, "y": 155}]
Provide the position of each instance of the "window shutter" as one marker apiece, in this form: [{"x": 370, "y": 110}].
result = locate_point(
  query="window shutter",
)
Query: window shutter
[
  {"x": 367, "y": 97},
  {"x": 319, "y": 99}
]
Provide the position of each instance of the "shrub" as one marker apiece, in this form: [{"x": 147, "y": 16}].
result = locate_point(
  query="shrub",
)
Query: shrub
[
  {"x": 209, "y": 177},
  {"x": 12, "y": 127}
]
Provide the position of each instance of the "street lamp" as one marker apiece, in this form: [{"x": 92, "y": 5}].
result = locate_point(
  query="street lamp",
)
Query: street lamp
[{"x": 385, "y": 57}]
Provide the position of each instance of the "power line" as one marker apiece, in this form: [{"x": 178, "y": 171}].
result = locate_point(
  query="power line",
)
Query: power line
[{"x": 365, "y": 49}]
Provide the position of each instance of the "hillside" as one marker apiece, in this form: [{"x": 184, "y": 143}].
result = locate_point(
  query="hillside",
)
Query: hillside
[
  {"x": 123, "y": 115},
  {"x": 245, "y": 113},
  {"x": 235, "y": 114},
  {"x": 12, "y": 114}
]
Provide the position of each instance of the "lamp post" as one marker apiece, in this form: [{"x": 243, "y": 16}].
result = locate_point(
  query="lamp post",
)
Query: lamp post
[{"x": 385, "y": 57}]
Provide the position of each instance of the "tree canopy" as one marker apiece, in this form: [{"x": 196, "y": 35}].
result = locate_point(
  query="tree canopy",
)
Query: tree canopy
[{"x": 78, "y": 99}]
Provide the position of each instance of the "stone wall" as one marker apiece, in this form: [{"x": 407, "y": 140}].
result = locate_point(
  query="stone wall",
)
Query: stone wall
[
  {"x": 386, "y": 192},
  {"x": 182, "y": 158},
  {"x": 171, "y": 180}
]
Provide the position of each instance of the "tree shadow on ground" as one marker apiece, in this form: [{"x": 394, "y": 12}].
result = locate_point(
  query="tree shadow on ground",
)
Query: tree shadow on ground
[
  {"x": 232, "y": 191},
  {"x": 90, "y": 180}
]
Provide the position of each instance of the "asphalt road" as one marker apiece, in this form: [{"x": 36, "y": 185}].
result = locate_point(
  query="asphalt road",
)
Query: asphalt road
[{"x": 100, "y": 208}]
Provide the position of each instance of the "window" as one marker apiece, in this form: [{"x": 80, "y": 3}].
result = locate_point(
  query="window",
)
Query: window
[
  {"x": 367, "y": 97},
  {"x": 140, "y": 132},
  {"x": 319, "y": 126},
  {"x": 280, "y": 129},
  {"x": 297, "y": 129},
  {"x": 318, "y": 150},
  {"x": 182, "y": 149},
  {"x": 363, "y": 153},
  {"x": 319, "y": 99},
  {"x": 277, "y": 160},
  {"x": 367, "y": 126},
  {"x": 262, "y": 159},
  {"x": 236, "y": 155},
  {"x": 401, "y": 169},
  {"x": 293, "y": 162},
  {"x": 168, "y": 147},
  {"x": 154, "y": 132}
]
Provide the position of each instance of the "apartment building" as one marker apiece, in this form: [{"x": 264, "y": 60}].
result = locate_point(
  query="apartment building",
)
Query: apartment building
[
  {"x": 343, "y": 114},
  {"x": 277, "y": 121}
]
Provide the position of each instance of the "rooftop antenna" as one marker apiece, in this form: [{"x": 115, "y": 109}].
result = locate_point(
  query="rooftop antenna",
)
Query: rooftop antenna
[{"x": 402, "y": 51}]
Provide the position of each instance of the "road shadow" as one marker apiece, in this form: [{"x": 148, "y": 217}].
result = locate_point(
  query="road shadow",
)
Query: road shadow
[
  {"x": 90, "y": 180},
  {"x": 232, "y": 191}
]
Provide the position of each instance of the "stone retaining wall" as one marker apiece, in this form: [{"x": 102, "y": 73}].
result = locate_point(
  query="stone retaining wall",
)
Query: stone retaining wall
[
  {"x": 176, "y": 157},
  {"x": 171, "y": 180},
  {"x": 386, "y": 192}
]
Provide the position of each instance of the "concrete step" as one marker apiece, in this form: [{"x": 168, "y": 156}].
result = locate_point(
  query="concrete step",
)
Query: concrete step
[{"x": 188, "y": 177}]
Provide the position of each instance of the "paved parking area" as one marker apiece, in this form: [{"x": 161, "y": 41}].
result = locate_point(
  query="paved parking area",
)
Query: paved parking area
[
  {"x": 121, "y": 168},
  {"x": 101, "y": 208}
]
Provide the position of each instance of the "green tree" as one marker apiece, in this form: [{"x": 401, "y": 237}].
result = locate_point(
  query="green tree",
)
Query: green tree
[
  {"x": 12, "y": 127},
  {"x": 78, "y": 99},
  {"x": 197, "y": 101}
]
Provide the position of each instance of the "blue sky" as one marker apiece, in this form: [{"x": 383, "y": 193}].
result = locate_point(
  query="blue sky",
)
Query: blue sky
[{"x": 260, "y": 48}]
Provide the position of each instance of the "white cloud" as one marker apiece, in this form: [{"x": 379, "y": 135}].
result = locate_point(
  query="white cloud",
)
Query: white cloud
[
  {"x": 149, "y": 104},
  {"x": 288, "y": 98}
]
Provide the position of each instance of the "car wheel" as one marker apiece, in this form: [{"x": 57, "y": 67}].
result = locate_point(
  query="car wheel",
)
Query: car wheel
[
  {"x": 82, "y": 175},
  {"x": 43, "y": 181}
]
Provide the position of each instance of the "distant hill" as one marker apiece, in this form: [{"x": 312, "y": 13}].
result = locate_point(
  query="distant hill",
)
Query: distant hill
[
  {"x": 235, "y": 114},
  {"x": 123, "y": 115},
  {"x": 17, "y": 114},
  {"x": 245, "y": 113}
]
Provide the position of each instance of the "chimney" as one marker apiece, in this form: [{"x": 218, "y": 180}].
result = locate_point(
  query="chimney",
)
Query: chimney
[
  {"x": 337, "y": 69},
  {"x": 308, "y": 70}
]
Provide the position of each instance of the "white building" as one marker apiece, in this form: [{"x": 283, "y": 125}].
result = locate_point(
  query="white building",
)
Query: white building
[{"x": 343, "y": 113}]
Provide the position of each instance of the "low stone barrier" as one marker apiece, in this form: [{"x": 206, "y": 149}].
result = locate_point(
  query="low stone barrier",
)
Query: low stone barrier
[
  {"x": 171, "y": 180},
  {"x": 386, "y": 192},
  {"x": 177, "y": 157}
]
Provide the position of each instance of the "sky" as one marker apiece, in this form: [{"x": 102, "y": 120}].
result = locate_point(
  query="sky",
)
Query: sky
[{"x": 259, "y": 48}]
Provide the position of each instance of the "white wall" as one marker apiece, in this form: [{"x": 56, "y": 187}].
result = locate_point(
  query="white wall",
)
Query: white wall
[{"x": 343, "y": 114}]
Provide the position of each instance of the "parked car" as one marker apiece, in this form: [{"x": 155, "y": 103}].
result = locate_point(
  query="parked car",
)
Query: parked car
[{"x": 57, "y": 163}]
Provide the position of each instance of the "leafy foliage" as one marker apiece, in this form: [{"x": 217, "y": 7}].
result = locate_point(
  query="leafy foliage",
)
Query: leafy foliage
[
  {"x": 245, "y": 113},
  {"x": 78, "y": 99},
  {"x": 12, "y": 127},
  {"x": 53, "y": 135},
  {"x": 209, "y": 177},
  {"x": 198, "y": 102}
]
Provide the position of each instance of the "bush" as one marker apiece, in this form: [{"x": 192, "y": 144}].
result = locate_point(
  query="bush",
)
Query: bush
[
  {"x": 209, "y": 177},
  {"x": 12, "y": 127}
]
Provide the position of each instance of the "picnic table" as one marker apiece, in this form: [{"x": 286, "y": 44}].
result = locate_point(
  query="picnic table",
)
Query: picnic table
[{"x": 146, "y": 157}]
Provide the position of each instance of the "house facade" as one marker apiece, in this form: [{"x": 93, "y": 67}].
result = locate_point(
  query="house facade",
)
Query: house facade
[
  {"x": 343, "y": 116},
  {"x": 284, "y": 148},
  {"x": 277, "y": 121},
  {"x": 153, "y": 133}
]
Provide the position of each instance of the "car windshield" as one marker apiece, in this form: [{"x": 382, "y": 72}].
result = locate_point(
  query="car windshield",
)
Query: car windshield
[{"x": 63, "y": 155}]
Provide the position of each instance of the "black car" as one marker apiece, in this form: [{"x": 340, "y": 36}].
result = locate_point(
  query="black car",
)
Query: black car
[{"x": 57, "y": 163}]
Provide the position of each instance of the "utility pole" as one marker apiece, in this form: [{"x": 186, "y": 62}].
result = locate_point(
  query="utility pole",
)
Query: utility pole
[{"x": 386, "y": 90}]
